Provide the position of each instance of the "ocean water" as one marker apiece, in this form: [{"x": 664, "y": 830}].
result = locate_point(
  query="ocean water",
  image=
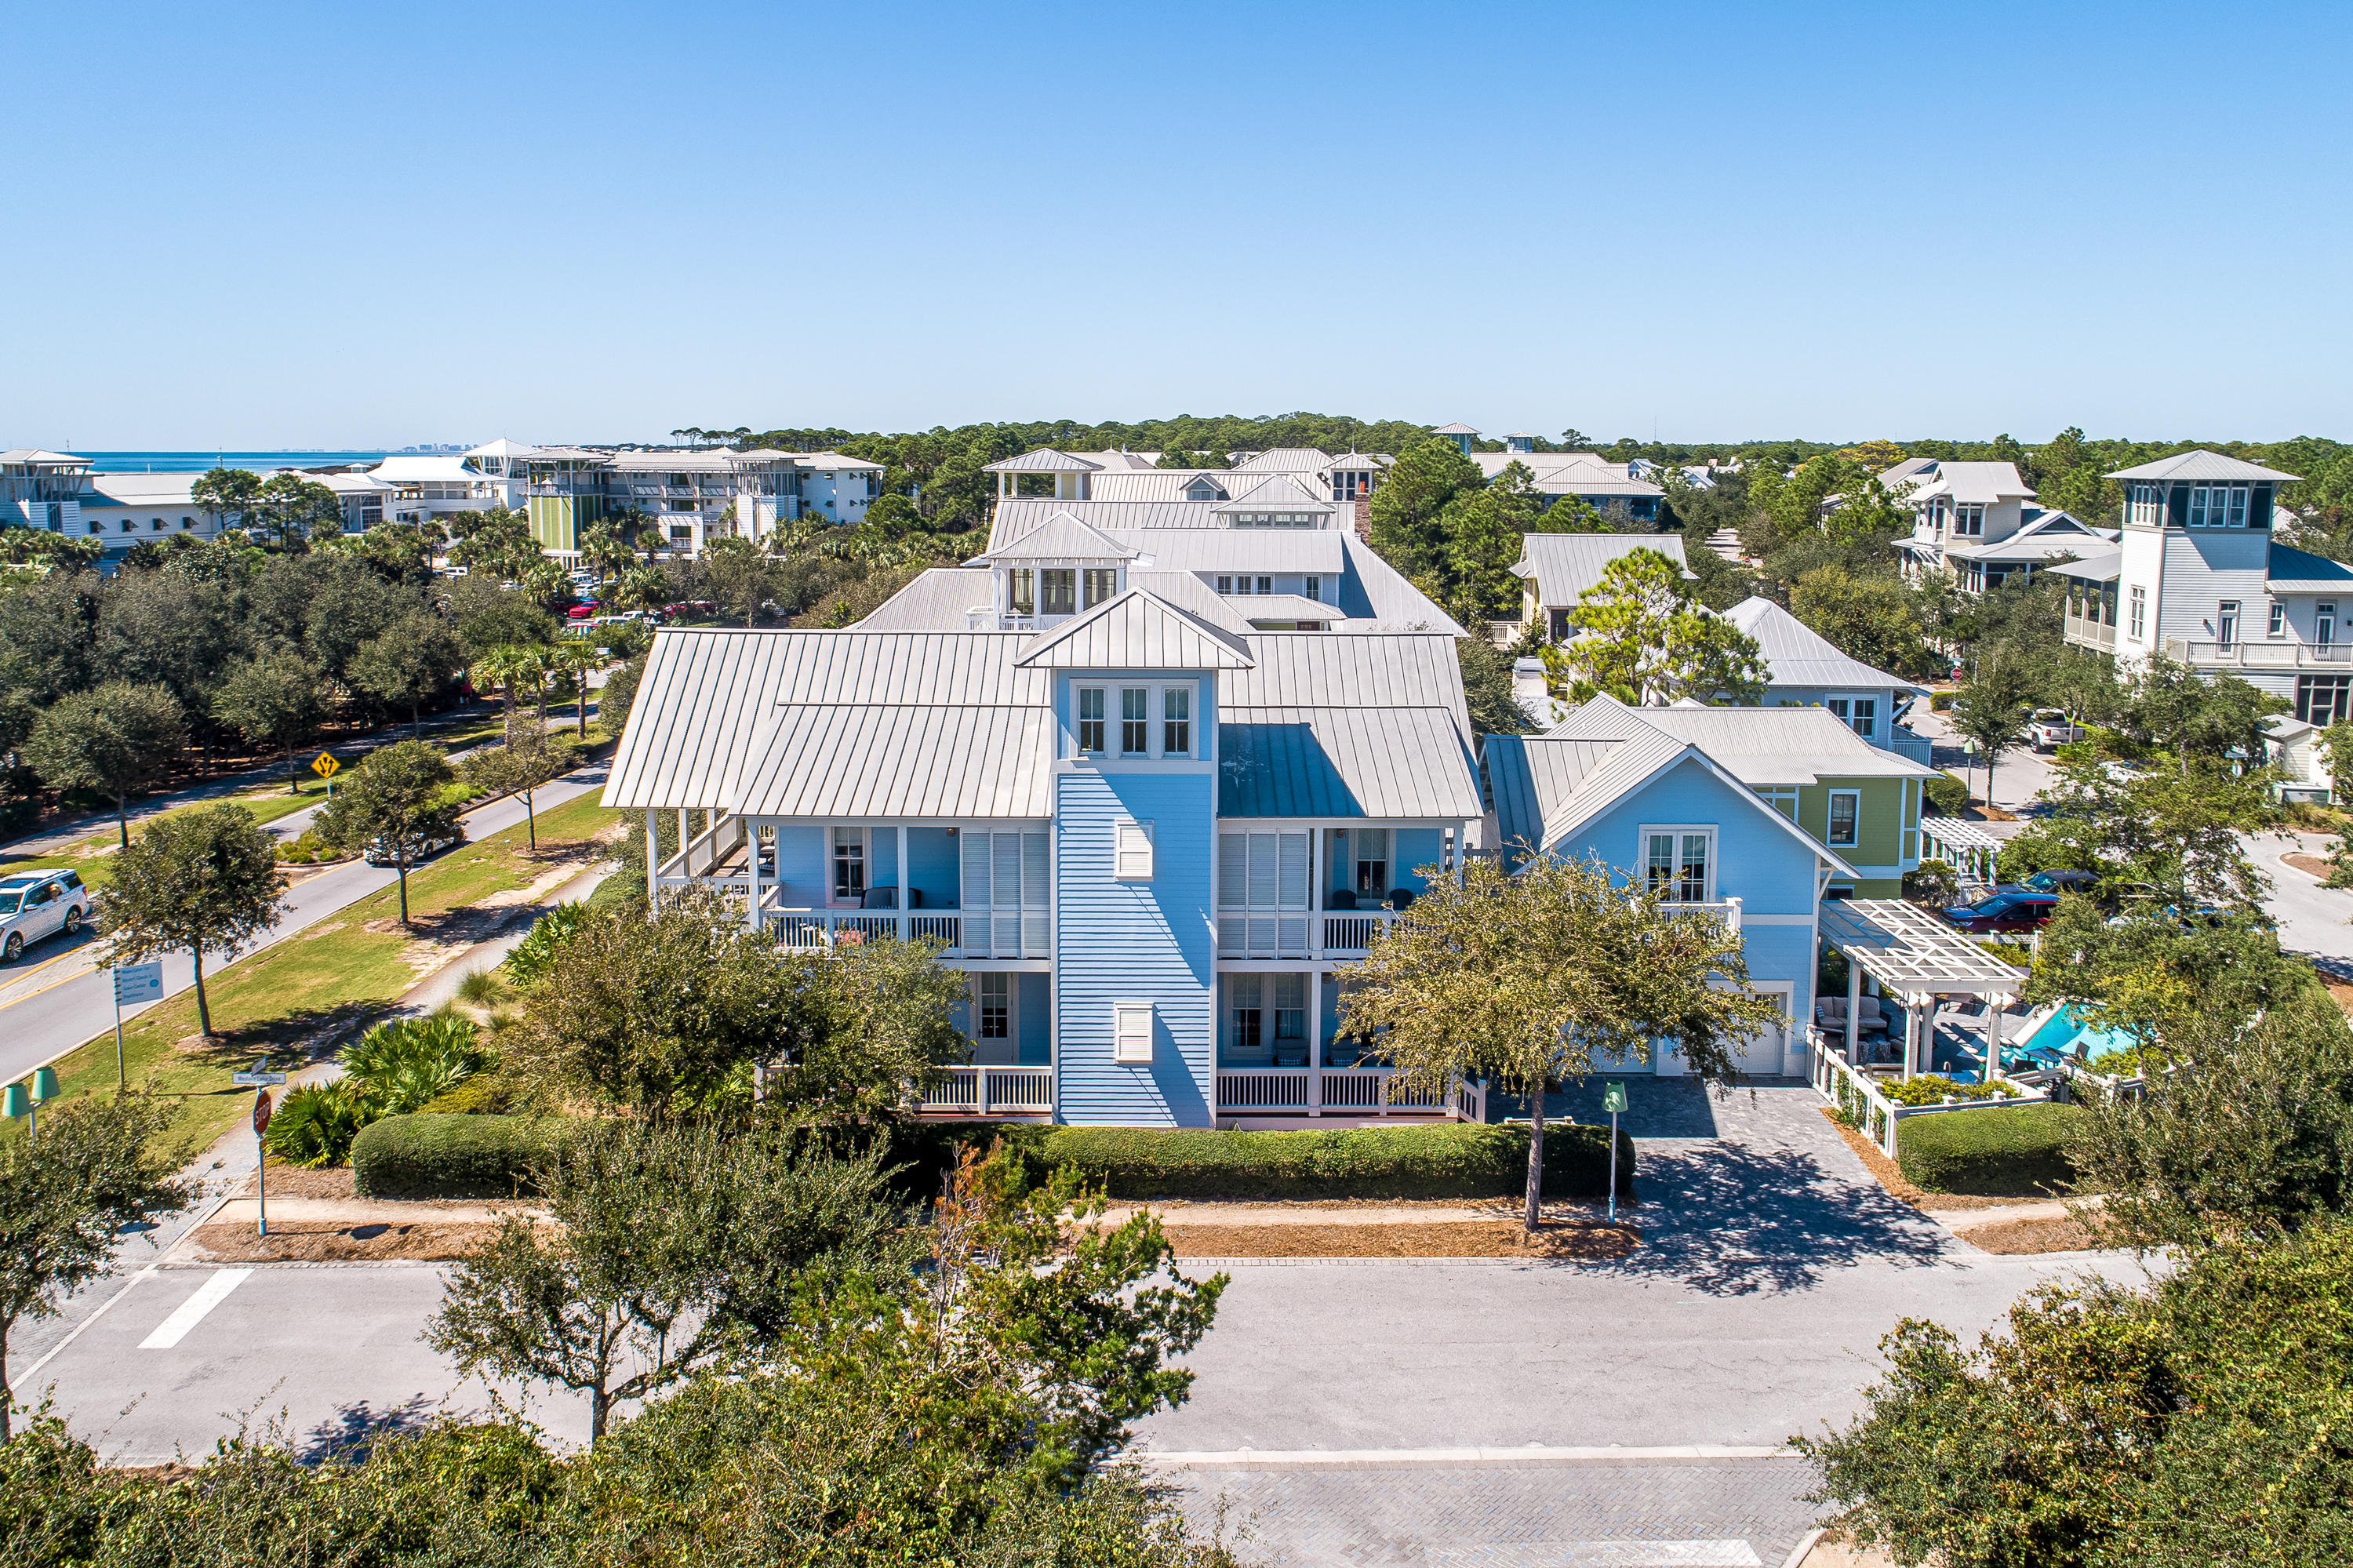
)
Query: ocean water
[{"x": 198, "y": 462}]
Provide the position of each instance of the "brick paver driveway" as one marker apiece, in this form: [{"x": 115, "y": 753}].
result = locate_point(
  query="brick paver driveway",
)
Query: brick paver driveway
[{"x": 1772, "y": 1264}]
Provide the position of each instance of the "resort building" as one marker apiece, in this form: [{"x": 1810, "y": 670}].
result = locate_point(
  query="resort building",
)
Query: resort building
[
  {"x": 688, "y": 498},
  {"x": 495, "y": 475},
  {"x": 2197, "y": 577},
  {"x": 1975, "y": 523},
  {"x": 42, "y": 490}
]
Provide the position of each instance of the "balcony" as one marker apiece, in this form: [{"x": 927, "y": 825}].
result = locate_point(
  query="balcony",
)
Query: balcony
[
  {"x": 1344, "y": 1091},
  {"x": 2085, "y": 632},
  {"x": 1910, "y": 746},
  {"x": 2259, "y": 655},
  {"x": 978, "y": 1091}
]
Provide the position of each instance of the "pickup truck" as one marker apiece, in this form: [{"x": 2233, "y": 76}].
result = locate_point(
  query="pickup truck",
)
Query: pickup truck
[{"x": 2048, "y": 729}]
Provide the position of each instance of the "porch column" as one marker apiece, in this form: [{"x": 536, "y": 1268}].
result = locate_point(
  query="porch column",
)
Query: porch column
[
  {"x": 654, "y": 860},
  {"x": 906, "y": 894},
  {"x": 1993, "y": 1037},
  {"x": 1315, "y": 1042},
  {"x": 1853, "y": 1009},
  {"x": 752, "y": 874}
]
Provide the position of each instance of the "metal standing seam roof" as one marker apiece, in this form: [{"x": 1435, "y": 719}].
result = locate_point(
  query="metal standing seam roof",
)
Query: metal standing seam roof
[
  {"x": 1525, "y": 772},
  {"x": 1135, "y": 630},
  {"x": 1456, "y": 429},
  {"x": 701, "y": 698},
  {"x": 900, "y": 760},
  {"x": 1285, "y": 459},
  {"x": 2202, "y": 464},
  {"x": 1061, "y": 537},
  {"x": 1975, "y": 482},
  {"x": 1798, "y": 655},
  {"x": 1311, "y": 669},
  {"x": 938, "y": 601},
  {"x": 2290, "y": 570},
  {"x": 1764, "y": 746},
  {"x": 2100, "y": 564},
  {"x": 1151, "y": 484},
  {"x": 1344, "y": 762},
  {"x": 1318, "y": 551},
  {"x": 1562, "y": 565},
  {"x": 1280, "y": 493},
  {"x": 1396, "y": 604},
  {"x": 1015, "y": 519},
  {"x": 1045, "y": 460},
  {"x": 1909, "y": 950},
  {"x": 1257, "y": 607}
]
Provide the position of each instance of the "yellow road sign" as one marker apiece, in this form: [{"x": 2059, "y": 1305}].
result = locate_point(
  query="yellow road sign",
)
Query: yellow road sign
[{"x": 324, "y": 765}]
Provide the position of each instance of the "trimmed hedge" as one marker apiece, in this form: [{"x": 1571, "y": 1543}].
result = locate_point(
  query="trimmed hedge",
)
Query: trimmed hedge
[
  {"x": 2017, "y": 1153},
  {"x": 437, "y": 1155},
  {"x": 1446, "y": 1159}
]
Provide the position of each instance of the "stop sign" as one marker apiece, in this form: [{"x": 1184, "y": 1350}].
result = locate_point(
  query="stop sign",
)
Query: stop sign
[{"x": 261, "y": 1112}]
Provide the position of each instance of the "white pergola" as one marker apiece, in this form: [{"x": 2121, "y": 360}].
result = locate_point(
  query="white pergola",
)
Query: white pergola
[
  {"x": 1967, "y": 848},
  {"x": 1916, "y": 958}
]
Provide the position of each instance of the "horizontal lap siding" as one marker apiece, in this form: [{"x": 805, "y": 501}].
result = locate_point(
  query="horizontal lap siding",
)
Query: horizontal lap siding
[{"x": 1134, "y": 942}]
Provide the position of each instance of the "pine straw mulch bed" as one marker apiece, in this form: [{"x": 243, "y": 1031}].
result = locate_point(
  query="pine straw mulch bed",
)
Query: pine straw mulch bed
[
  {"x": 330, "y": 1242},
  {"x": 1596, "y": 1243}
]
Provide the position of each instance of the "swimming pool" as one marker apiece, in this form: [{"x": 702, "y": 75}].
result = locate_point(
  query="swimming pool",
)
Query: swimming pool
[{"x": 2065, "y": 1034}]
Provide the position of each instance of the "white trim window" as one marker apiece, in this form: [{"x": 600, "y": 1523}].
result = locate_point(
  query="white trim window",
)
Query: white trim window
[
  {"x": 992, "y": 1006},
  {"x": 1859, "y": 714},
  {"x": 1968, "y": 521},
  {"x": 1131, "y": 855},
  {"x": 1679, "y": 861},
  {"x": 2278, "y": 626},
  {"x": 2218, "y": 506},
  {"x": 1155, "y": 722},
  {"x": 2226, "y": 623},
  {"x": 849, "y": 865},
  {"x": 1176, "y": 721},
  {"x": 2324, "y": 624},
  {"x": 1130, "y": 1033},
  {"x": 1092, "y": 727},
  {"x": 1845, "y": 821}
]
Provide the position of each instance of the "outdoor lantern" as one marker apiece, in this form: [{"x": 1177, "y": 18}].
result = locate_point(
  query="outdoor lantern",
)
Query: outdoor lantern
[
  {"x": 16, "y": 1102},
  {"x": 45, "y": 1084}
]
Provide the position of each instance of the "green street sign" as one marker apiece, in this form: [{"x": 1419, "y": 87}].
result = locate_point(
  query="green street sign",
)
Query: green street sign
[{"x": 1614, "y": 1098}]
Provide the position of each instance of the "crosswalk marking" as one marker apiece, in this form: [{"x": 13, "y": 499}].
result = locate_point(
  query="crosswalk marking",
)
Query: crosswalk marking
[{"x": 191, "y": 1312}]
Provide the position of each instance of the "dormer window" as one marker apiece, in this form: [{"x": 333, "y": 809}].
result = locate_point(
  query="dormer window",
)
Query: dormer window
[
  {"x": 1275, "y": 519},
  {"x": 1205, "y": 490}
]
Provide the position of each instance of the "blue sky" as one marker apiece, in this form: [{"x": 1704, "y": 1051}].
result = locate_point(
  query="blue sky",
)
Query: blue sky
[{"x": 248, "y": 226}]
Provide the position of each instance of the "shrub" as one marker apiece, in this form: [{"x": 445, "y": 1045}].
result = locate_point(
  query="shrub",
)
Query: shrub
[
  {"x": 528, "y": 964},
  {"x": 1935, "y": 1088},
  {"x": 1451, "y": 1159},
  {"x": 2018, "y": 1151},
  {"x": 1947, "y": 794},
  {"x": 400, "y": 1066},
  {"x": 1939, "y": 701},
  {"x": 1932, "y": 883},
  {"x": 314, "y": 1125},
  {"x": 432, "y": 1156}
]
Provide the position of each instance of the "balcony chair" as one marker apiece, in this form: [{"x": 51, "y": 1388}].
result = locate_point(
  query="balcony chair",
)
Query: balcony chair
[
  {"x": 1340, "y": 898},
  {"x": 888, "y": 898},
  {"x": 1291, "y": 1052},
  {"x": 1401, "y": 899}
]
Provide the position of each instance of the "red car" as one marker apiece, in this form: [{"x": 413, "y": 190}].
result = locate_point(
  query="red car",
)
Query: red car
[{"x": 582, "y": 610}]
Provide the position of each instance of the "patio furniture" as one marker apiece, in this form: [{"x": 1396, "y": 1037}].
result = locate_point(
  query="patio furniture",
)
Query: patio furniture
[
  {"x": 888, "y": 898},
  {"x": 1340, "y": 898}
]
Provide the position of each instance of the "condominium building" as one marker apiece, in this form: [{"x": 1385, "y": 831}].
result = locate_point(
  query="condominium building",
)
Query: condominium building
[{"x": 690, "y": 498}]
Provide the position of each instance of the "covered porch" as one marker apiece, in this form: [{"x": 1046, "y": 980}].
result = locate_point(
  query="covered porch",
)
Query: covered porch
[{"x": 1282, "y": 1053}]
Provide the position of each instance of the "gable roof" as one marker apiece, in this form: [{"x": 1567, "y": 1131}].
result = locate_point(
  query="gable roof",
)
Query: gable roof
[
  {"x": 1287, "y": 459},
  {"x": 1781, "y": 745},
  {"x": 1061, "y": 537},
  {"x": 1627, "y": 753},
  {"x": 1978, "y": 483},
  {"x": 501, "y": 448},
  {"x": 1798, "y": 655},
  {"x": 1280, "y": 493},
  {"x": 1045, "y": 460},
  {"x": 2203, "y": 464},
  {"x": 1135, "y": 630},
  {"x": 1562, "y": 565}
]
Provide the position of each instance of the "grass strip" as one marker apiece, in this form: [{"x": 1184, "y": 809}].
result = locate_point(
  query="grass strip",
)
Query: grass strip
[{"x": 330, "y": 977}]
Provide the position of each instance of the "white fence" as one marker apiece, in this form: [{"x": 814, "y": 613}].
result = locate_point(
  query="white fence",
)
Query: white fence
[{"x": 1872, "y": 1113}]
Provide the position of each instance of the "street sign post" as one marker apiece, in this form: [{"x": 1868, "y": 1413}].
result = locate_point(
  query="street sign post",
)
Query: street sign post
[
  {"x": 134, "y": 985},
  {"x": 261, "y": 1083},
  {"x": 325, "y": 766},
  {"x": 1613, "y": 1100}
]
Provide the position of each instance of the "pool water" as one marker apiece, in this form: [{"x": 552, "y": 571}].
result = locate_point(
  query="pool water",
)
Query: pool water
[{"x": 2066, "y": 1034}]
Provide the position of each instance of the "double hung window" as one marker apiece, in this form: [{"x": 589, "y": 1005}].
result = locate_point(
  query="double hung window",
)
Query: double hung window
[
  {"x": 2139, "y": 613},
  {"x": 1091, "y": 719},
  {"x": 1175, "y": 720},
  {"x": 1846, "y": 810},
  {"x": 1968, "y": 521},
  {"x": 1249, "y": 992},
  {"x": 850, "y": 864},
  {"x": 1373, "y": 862},
  {"x": 1860, "y": 714},
  {"x": 1099, "y": 586},
  {"x": 2278, "y": 624},
  {"x": 2218, "y": 506},
  {"x": 1057, "y": 589},
  {"x": 1021, "y": 591},
  {"x": 1680, "y": 863},
  {"x": 1135, "y": 721}
]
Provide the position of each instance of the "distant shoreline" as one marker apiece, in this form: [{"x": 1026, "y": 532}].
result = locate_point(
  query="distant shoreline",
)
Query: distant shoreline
[{"x": 199, "y": 461}]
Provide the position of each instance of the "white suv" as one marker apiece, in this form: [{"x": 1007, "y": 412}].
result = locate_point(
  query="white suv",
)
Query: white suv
[{"x": 34, "y": 904}]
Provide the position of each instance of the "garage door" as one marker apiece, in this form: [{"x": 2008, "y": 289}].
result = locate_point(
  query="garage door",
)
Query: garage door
[{"x": 1762, "y": 1058}]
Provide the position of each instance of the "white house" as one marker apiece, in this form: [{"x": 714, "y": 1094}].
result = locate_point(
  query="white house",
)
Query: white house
[
  {"x": 1977, "y": 523},
  {"x": 2197, "y": 577}
]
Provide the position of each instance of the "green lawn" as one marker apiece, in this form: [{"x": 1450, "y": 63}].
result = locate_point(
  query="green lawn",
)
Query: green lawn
[{"x": 325, "y": 980}]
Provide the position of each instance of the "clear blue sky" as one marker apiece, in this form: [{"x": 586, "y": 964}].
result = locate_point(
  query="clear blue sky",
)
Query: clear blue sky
[{"x": 248, "y": 226}]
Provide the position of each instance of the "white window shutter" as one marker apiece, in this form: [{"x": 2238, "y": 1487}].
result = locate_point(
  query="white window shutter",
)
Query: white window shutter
[
  {"x": 1132, "y": 852},
  {"x": 1131, "y": 1032}
]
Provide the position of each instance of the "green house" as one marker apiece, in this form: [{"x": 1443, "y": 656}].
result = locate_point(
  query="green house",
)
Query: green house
[{"x": 1847, "y": 794}]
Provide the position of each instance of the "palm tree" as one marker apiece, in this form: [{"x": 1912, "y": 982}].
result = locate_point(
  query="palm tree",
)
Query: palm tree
[
  {"x": 506, "y": 665},
  {"x": 577, "y": 660}
]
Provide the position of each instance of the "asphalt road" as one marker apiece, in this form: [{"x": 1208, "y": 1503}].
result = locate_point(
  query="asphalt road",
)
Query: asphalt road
[
  {"x": 1656, "y": 1392},
  {"x": 52, "y": 1000}
]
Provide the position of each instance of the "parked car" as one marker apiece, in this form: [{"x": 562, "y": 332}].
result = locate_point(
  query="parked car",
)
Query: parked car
[
  {"x": 2053, "y": 881},
  {"x": 378, "y": 853},
  {"x": 2005, "y": 911},
  {"x": 2048, "y": 729},
  {"x": 37, "y": 904},
  {"x": 584, "y": 610}
]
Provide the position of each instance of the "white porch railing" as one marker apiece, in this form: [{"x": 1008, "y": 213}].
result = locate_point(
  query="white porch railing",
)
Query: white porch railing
[
  {"x": 1910, "y": 746},
  {"x": 2260, "y": 653},
  {"x": 991, "y": 1091},
  {"x": 1348, "y": 1091},
  {"x": 1873, "y": 1114}
]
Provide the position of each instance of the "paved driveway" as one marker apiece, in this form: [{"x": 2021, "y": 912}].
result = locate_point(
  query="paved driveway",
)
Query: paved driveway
[{"x": 1772, "y": 1267}]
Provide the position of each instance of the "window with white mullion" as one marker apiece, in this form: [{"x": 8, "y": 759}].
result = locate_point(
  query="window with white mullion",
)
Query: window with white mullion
[
  {"x": 1679, "y": 861},
  {"x": 1264, "y": 881}
]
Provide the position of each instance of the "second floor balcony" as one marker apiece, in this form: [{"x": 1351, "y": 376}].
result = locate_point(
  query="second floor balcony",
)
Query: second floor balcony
[{"x": 2262, "y": 653}]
